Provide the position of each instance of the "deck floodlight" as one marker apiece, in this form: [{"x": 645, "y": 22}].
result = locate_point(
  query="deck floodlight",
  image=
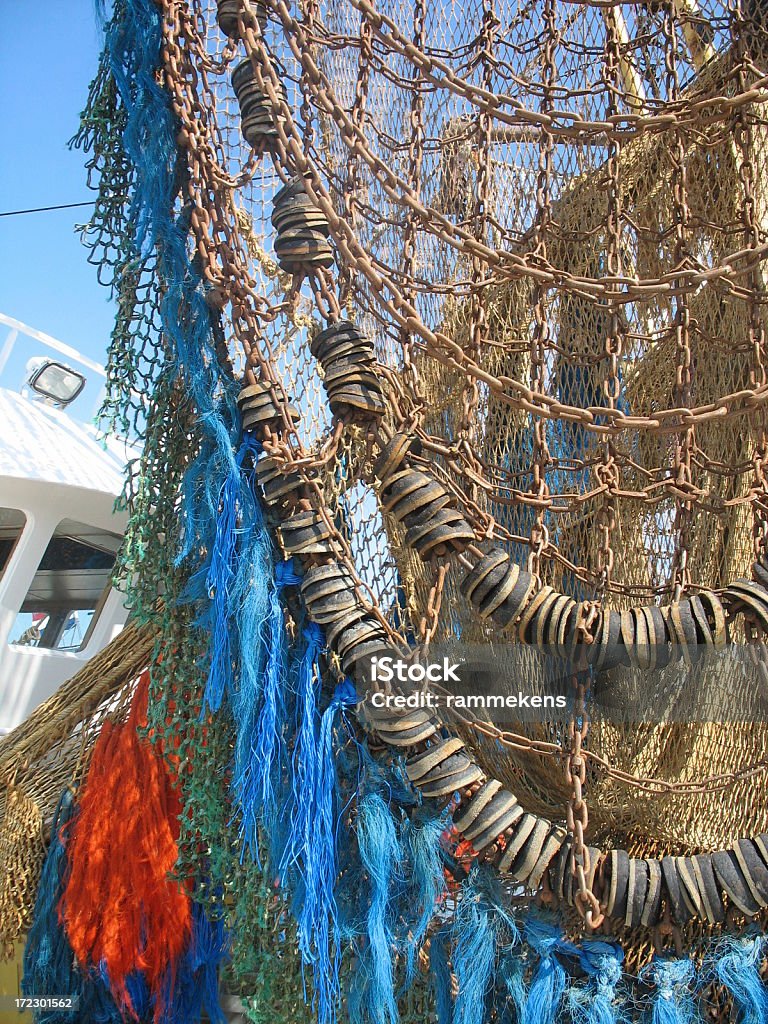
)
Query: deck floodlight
[{"x": 55, "y": 381}]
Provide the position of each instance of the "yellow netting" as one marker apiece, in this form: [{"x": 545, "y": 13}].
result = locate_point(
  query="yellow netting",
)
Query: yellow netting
[
  {"x": 552, "y": 220},
  {"x": 21, "y": 856}
]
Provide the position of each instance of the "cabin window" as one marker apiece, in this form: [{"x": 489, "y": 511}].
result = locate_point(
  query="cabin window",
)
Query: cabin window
[
  {"x": 11, "y": 526},
  {"x": 68, "y": 590}
]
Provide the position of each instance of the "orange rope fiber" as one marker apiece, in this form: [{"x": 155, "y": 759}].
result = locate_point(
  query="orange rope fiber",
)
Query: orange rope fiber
[{"x": 121, "y": 909}]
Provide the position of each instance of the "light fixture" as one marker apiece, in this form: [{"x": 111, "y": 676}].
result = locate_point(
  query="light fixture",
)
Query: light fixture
[{"x": 55, "y": 381}]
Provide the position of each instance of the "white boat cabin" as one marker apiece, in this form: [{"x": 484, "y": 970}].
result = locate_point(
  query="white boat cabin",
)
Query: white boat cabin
[{"x": 59, "y": 533}]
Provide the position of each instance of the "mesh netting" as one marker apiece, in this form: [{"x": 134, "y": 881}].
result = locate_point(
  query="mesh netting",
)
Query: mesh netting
[{"x": 551, "y": 219}]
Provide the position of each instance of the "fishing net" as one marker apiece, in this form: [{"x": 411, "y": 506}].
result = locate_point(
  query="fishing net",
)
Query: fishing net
[
  {"x": 444, "y": 324},
  {"x": 549, "y": 219}
]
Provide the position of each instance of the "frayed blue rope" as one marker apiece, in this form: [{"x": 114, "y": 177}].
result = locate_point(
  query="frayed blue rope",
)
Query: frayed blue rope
[
  {"x": 510, "y": 983},
  {"x": 596, "y": 1003},
  {"x": 304, "y": 751},
  {"x": 422, "y": 841},
  {"x": 234, "y": 506},
  {"x": 199, "y": 509},
  {"x": 478, "y": 925},
  {"x": 548, "y": 984},
  {"x": 267, "y": 751},
  {"x": 310, "y": 848},
  {"x": 191, "y": 986},
  {"x": 380, "y": 856},
  {"x": 440, "y": 973},
  {"x": 673, "y": 1001},
  {"x": 318, "y": 916},
  {"x": 137, "y": 988},
  {"x": 209, "y": 950},
  {"x": 246, "y": 632},
  {"x": 474, "y": 958},
  {"x": 734, "y": 962}
]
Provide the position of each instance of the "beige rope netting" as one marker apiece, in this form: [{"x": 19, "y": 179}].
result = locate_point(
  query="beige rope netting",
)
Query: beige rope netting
[{"x": 551, "y": 217}]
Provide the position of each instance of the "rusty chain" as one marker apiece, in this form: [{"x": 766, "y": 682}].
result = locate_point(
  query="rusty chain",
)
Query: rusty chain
[{"x": 226, "y": 269}]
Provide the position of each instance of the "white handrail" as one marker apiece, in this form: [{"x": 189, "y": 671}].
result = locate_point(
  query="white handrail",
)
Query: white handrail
[{"x": 57, "y": 346}]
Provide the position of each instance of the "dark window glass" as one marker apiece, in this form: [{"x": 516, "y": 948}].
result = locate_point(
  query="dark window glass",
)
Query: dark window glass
[
  {"x": 11, "y": 526},
  {"x": 66, "y": 594}
]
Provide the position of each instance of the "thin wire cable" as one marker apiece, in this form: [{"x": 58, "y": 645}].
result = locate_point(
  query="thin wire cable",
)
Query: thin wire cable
[{"x": 45, "y": 209}]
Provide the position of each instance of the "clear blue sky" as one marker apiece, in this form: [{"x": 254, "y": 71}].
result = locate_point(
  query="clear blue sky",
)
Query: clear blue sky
[{"x": 48, "y": 56}]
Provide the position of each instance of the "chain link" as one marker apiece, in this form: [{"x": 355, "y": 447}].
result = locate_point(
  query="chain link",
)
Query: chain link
[{"x": 577, "y": 812}]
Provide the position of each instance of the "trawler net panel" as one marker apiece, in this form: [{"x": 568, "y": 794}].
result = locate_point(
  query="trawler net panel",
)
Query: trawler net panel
[
  {"x": 552, "y": 220},
  {"x": 438, "y": 322}
]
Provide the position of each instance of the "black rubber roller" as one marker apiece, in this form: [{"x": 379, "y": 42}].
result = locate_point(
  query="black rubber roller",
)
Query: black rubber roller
[
  {"x": 452, "y": 783},
  {"x": 673, "y": 890},
  {"x": 754, "y": 869},
  {"x": 469, "y": 810},
  {"x": 488, "y": 563},
  {"x": 498, "y": 815},
  {"x": 637, "y": 891},
  {"x": 419, "y": 766},
  {"x": 732, "y": 881},
  {"x": 616, "y": 886}
]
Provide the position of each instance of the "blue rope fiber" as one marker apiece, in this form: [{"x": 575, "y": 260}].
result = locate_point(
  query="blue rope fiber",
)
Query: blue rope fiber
[
  {"x": 308, "y": 862},
  {"x": 673, "y": 999},
  {"x": 481, "y": 925},
  {"x": 474, "y": 958},
  {"x": 597, "y": 1001},
  {"x": 138, "y": 992},
  {"x": 388, "y": 889},
  {"x": 304, "y": 752},
  {"x": 239, "y": 519},
  {"x": 734, "y": 962},
  {"x": 193, "y": 987},
  {"x": 510, "y": 992},
  {"x": 549, "y": 981},
  {"x": 318, "y": 915},
  {"x": 210, "y": 950},
  {"x": 440, "y": 976},
  {"x": 380, "y": 856},
  {"x": 268, "y": 747},
  {"x": 422, "y": 835},
  {"x": 250, "y": 636},
  {"x": 244, "y": 617}
]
